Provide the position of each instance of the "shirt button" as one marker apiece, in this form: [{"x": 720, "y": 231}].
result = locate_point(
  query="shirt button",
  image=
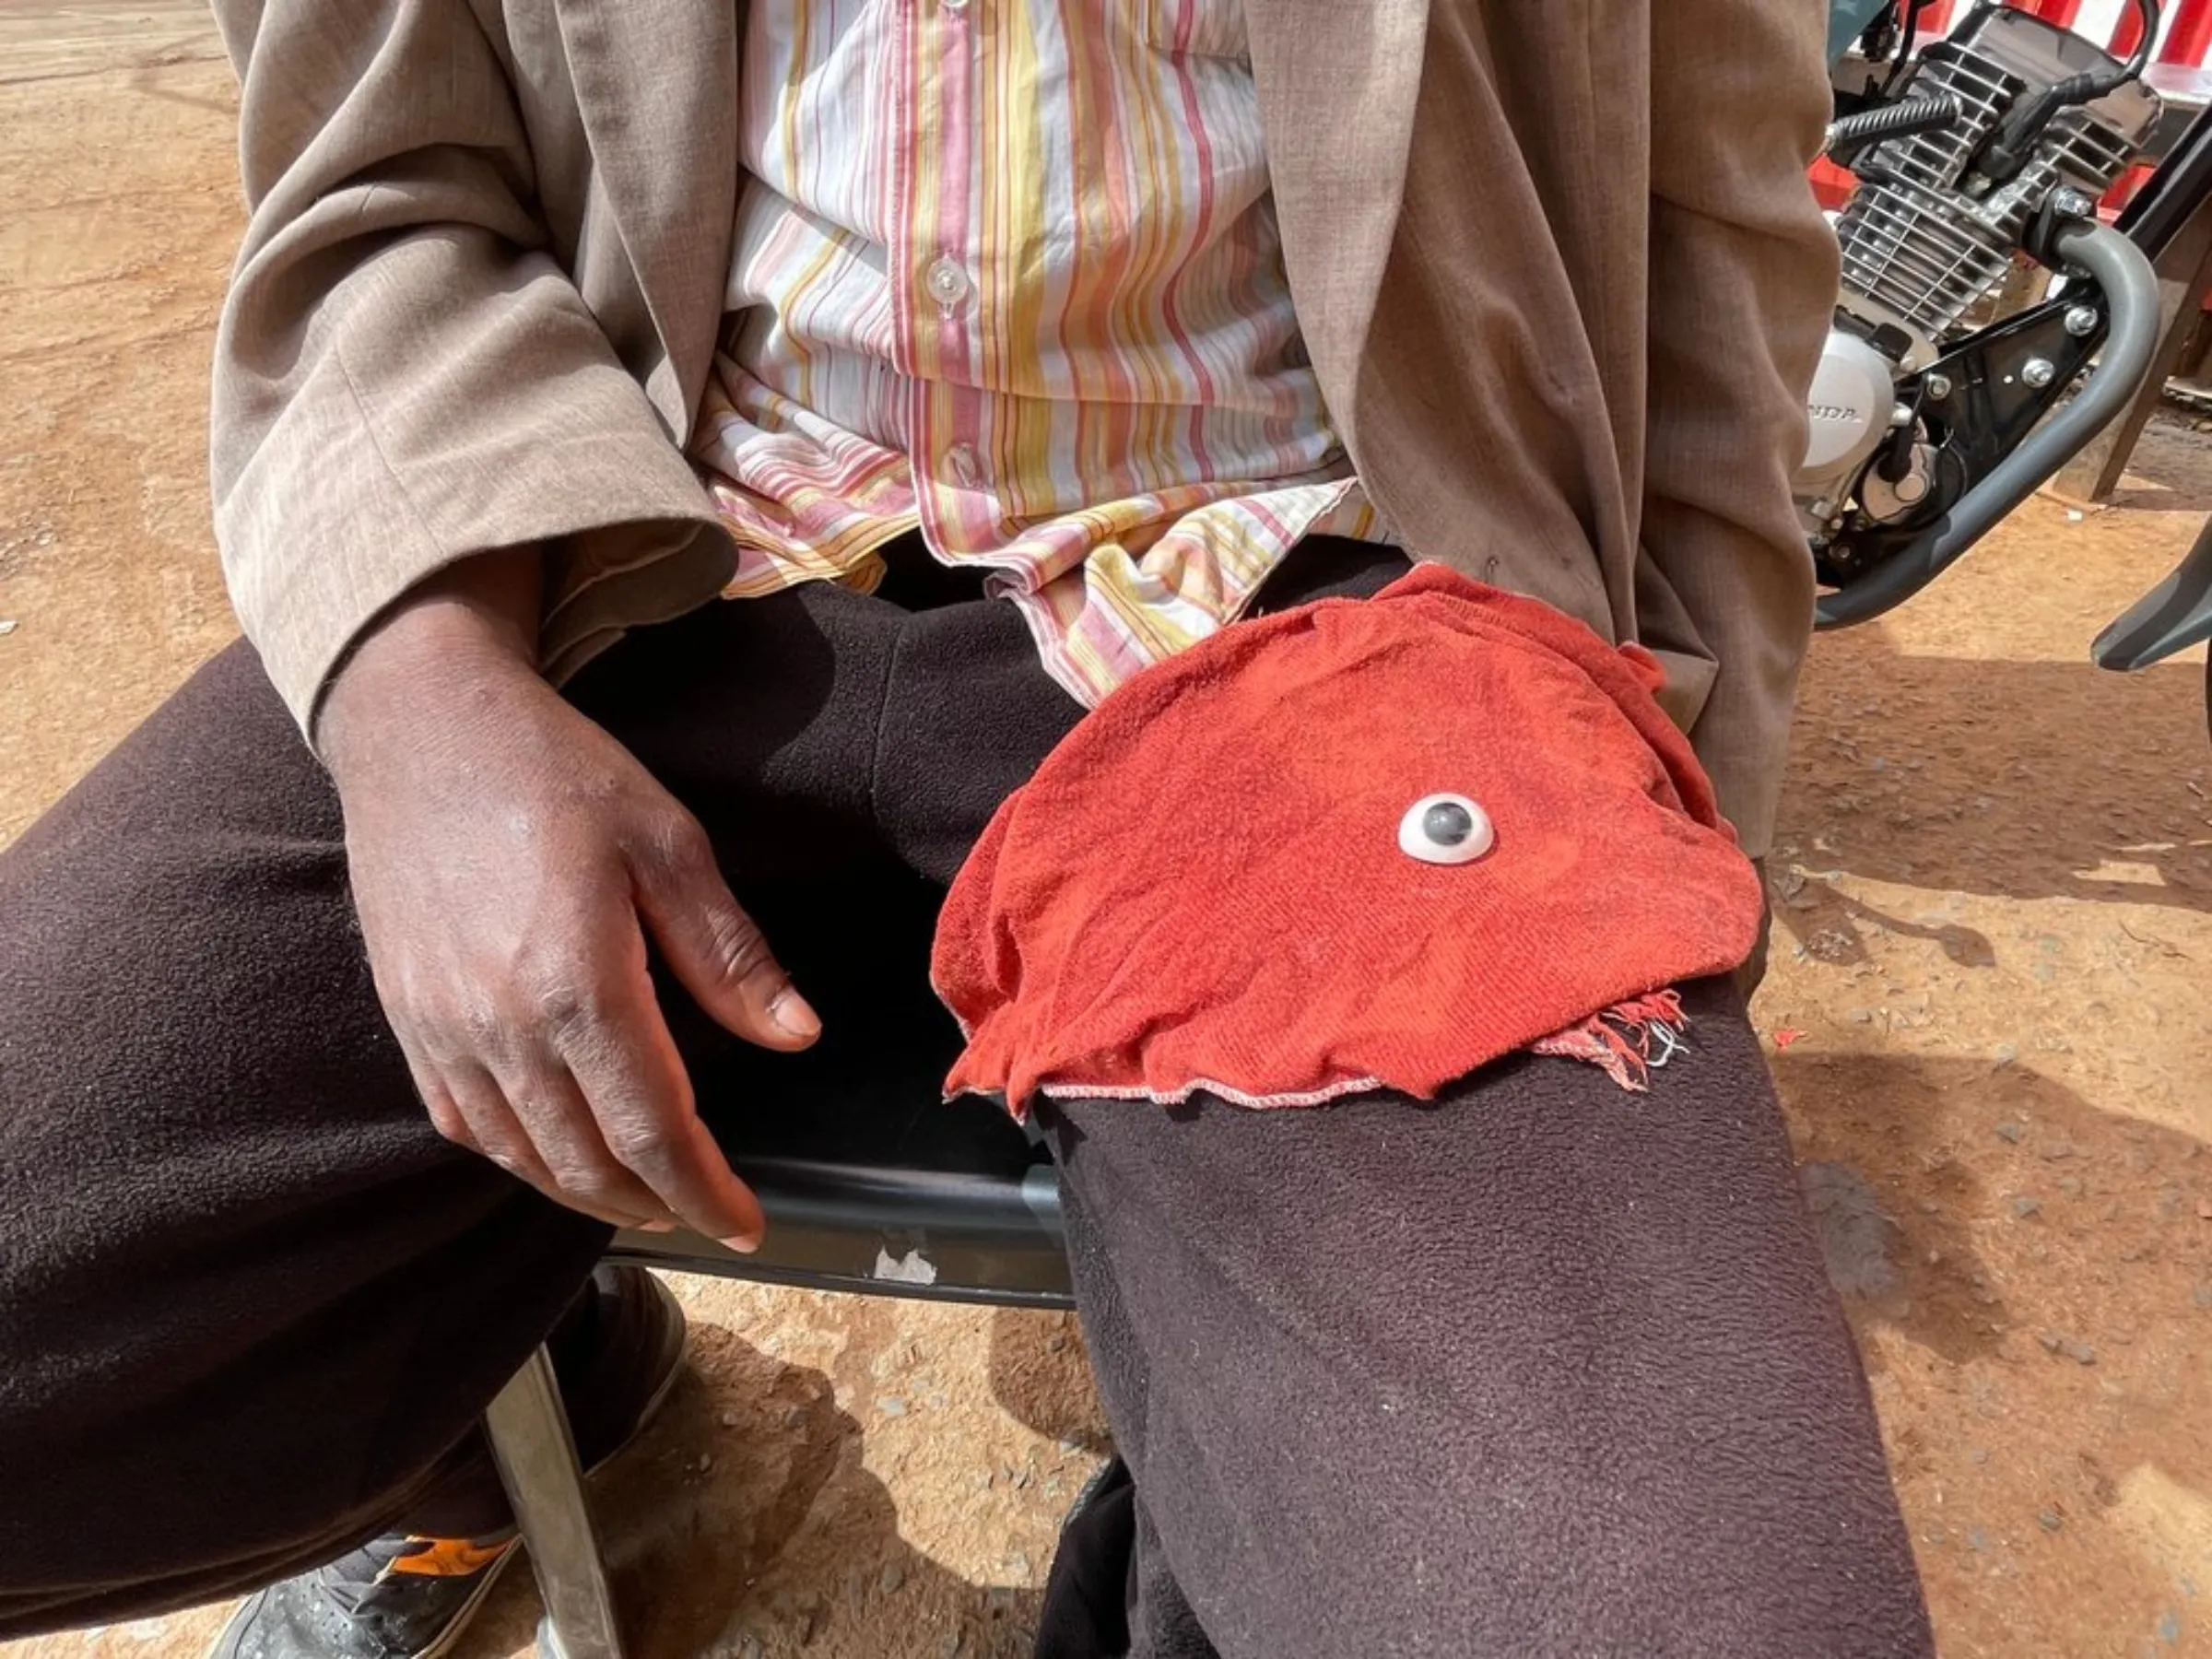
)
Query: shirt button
[
  {"x": 946, "y": 283},
  {"x": 967, "y": 471}
]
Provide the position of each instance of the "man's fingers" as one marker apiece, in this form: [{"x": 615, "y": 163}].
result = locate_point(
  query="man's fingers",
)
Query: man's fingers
[
  {"x": 444, "y": 1111},
  {"x": 496, "y": 1131},
  {"x": 627, "y": 1065},
  {"x": 713, "y": 946},
  {"x": 555, "y": 1115},
  {"x": 696, "y": 1158}
]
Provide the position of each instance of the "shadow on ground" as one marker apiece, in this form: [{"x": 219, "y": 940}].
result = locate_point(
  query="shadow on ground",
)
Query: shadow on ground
[
  {"x": 1041, "y": 1375},
  {"x": 1920, "y": 1170},
  {"x": 1897, "y": 779}
]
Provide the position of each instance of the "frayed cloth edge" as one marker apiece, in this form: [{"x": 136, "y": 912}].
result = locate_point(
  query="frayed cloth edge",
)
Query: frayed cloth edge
[
  {"x": 1627, "y": 1041},
  {"x": 1179, "y": 1094}
]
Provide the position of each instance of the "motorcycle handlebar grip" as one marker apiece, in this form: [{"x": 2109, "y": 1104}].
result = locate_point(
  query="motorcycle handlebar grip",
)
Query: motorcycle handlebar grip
[{"x": 1893, "y": 121}]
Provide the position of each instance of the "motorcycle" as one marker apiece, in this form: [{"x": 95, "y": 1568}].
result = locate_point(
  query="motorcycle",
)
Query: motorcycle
[{"x": 1932, "y": 417}]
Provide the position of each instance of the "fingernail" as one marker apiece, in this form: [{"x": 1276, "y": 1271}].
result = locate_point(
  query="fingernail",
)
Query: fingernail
[
  {"x": 794, "y": 1018},
  {"x": 745, "y": 1244},
  {"x": 656, "y": 1227}
]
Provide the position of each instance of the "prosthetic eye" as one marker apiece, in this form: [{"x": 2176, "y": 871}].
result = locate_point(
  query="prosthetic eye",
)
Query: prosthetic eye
[{"x": 1445, "y": 829}]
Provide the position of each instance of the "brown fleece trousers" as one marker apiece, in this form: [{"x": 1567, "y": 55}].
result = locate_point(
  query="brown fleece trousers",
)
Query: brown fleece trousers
[{"x": 1544, "y": 1368}]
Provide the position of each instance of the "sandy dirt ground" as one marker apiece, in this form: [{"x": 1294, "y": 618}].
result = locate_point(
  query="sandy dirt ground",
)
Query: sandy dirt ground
[{"x": 1989, "y": 1008}]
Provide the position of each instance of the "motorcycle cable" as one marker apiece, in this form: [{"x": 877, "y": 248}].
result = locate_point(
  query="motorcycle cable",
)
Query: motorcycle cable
[
  {"x": 2014, "y": 143},
  {"x": 1904, "y": 45}
]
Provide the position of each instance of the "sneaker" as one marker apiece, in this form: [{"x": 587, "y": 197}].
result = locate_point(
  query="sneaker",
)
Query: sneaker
[
  {"x": 402, "y": 1597},
  {"x": 395, "y": 1597}
]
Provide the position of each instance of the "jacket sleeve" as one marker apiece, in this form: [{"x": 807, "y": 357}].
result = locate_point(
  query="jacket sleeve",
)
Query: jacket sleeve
[
  {"x": 404, "y": 375},
  {"x": 1743, "y": 286}
]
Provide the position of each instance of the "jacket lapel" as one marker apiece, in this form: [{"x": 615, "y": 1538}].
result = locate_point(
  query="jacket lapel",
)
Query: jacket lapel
[
  {"x": 656, "y": 85},
  {"x": 1337, "y": 83}
]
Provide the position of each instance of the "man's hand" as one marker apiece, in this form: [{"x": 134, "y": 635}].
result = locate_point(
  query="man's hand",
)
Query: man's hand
[{"x": 508, "y": 860}]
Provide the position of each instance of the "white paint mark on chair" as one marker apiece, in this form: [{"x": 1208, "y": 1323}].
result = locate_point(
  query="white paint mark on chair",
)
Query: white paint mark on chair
[{"x": 913, "y": 1268}]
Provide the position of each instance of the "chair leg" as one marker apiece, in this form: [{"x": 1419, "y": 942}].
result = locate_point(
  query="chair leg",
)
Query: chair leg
[{"x": 529, "y": 1433}]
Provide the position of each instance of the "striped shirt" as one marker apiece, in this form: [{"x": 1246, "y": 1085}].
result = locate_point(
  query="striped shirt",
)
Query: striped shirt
[{"x": 1007, "y": 272}]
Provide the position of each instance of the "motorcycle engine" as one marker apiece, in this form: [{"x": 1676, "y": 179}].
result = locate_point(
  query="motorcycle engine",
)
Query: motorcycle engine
[{"x": 1932, "y": 230}]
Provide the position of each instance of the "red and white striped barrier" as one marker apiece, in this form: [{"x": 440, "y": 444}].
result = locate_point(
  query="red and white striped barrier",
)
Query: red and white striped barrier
[
  {"x": 2184, "y": 32},
  {"x": 2179, "y": 72}
]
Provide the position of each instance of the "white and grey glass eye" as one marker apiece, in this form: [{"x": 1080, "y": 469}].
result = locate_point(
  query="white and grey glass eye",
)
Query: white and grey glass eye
[{"x": 1445, "y": 829}]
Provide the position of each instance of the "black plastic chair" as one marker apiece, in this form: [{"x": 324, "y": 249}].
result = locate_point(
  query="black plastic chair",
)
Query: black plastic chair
[{"x": 871, "y": 1184}]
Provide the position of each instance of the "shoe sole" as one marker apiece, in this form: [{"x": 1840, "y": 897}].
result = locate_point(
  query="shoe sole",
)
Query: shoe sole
[{"x": 469, "y": 1608}]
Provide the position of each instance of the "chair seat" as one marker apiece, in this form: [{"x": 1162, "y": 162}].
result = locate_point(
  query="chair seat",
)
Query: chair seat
[{"x": 871, "y": 1180}]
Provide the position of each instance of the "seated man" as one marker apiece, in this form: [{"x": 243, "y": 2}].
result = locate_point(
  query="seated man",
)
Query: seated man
[{"x": 987, "y": 355}]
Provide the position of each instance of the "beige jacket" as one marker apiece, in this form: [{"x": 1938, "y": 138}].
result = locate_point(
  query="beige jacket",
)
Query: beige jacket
[{"x": 1556, "y": 261}]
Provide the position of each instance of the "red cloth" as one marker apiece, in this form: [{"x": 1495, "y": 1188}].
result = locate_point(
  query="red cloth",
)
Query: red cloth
[{"x": 1203, "y": 886}]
